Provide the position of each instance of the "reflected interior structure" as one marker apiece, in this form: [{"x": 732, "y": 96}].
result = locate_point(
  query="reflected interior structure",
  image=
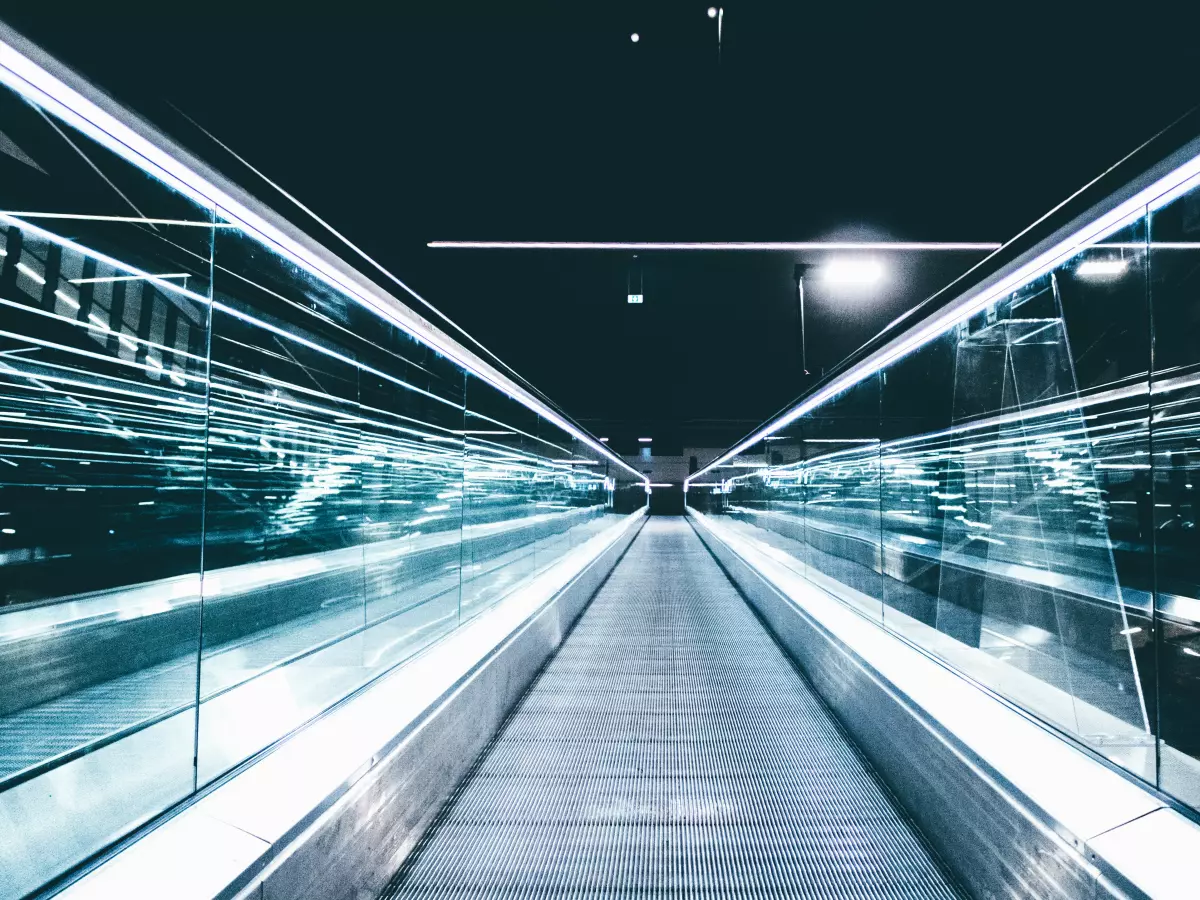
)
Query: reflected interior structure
[{"x": 232, "y": 493}]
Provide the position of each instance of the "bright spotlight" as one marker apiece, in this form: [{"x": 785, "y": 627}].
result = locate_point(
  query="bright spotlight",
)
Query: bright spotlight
[
  {"x": 712, "y": 12},
  {"x": 852, "y": 271},
  {"x": 635, "y": 37},
  {"x": 1102, "y": 268}
]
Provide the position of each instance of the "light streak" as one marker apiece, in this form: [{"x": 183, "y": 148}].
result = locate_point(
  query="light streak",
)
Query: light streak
[
  {"x": 784, "y": 246},
  {"x": 111, "y": 278}
]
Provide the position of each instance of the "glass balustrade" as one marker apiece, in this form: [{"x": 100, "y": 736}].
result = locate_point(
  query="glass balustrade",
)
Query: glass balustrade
[{"x": 1013, "y": 490}]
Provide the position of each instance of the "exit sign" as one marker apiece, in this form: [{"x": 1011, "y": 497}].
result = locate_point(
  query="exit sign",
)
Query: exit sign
[{"x": 635, "y": 298}]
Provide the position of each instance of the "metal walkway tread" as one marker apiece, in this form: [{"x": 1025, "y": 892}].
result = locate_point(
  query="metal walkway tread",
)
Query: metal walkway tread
[{"x": 669, "y": 749}]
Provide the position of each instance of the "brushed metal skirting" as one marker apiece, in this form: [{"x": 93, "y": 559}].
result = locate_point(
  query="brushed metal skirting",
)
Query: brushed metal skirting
[
  {"x": 352, "y": 848},
  {"x": 996, "y": 845}
]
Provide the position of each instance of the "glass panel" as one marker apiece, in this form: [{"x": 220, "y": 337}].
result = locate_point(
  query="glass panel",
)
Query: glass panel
[
  {"x": 811, "y": 490},
  {"x": 917, "y": 399},
  {"x": 104, "y": 307},
  {"x": 411, "y": 458},
  {"x": 841, "y": 476},
  {"x": 1175, "y": 294},
  {"x": 1012, "y": 536},
  {"x": 309, "y": 392},
  {"x": 1006, "y": 502},
  {"x": 531, "y": 493},
  {"x": 497, "y": 496}
]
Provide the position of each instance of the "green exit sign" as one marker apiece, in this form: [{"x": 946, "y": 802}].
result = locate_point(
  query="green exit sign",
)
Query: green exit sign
[{"x": 635, "y": 298}]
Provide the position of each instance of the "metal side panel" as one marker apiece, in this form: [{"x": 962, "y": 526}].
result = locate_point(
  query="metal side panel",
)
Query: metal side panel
[
  {"x": 670, "y": 749},
  {"x": 354, "y": 846},
  {"x": 995, "y": 844}
]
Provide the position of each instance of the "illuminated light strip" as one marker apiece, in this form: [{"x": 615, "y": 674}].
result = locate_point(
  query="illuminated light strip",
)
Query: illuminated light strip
[
  {"x": 1074, "y": 404},
  {"x": 126, "y": 278},
  {"x": 102, "y": 386},
  {"x": 311, "y": 345},
  {"x": 95, "y": 254},
  {"x": 1101, "y": 268},
  {"x": 1150, "y": 245},
  {"x": 36, "y": 84},
  {"x": 902, "y": 246},
  {"x": 967, "y": 305},
  {"x": 298, "y": 423},
  {"x": 838, "y": 440},
  {"x": 24, "y": 269},
  {"x": 88, "y": 217},
  {"x": 478, "y": 443},
  {"x": 938, "y": 454},
  {"x": 997, "y": 445},
  {"x": 122, "y": 430},
  {"x": 1140, "y": 389}
]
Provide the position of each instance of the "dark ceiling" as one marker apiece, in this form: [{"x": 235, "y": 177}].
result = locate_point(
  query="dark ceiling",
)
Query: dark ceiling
[{"x": 412, "y": 122}]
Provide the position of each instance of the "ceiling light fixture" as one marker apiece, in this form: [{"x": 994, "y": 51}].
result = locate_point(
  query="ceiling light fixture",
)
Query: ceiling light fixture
[
  {"x": 1102, "y": 268},
  {"x": 851, "y": 271}
]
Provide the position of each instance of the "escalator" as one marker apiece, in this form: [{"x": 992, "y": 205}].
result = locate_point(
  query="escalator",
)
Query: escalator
[{"x": 670, "y": 748}]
